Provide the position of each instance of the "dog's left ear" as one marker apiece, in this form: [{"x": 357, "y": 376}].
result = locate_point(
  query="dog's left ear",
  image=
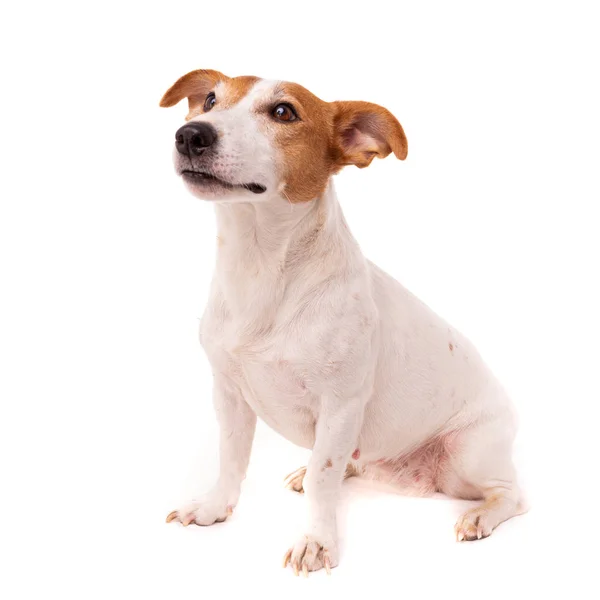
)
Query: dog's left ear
[
  {"x": 194, "y": 86},
  {"x": 364, "y": 130}
]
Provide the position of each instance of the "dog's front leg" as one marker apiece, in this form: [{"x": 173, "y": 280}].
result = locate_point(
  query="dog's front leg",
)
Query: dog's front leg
[
  {"x": 336, "y": 436},
  {"x": 237, "y": 423}
]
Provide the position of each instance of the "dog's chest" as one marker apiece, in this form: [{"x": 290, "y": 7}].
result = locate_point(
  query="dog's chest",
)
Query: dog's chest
[
  {"x": 260, "y": 353},
  {"x": 281, "y": 335}
]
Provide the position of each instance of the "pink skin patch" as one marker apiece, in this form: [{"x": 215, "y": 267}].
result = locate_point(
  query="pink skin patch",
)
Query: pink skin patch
[
  {"x": 426, "y": 469},
  {"x": 356, "y": 454}
]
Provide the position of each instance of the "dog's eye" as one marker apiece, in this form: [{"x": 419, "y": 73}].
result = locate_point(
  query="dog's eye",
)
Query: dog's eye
[
  {"x": 209, "y": 102},
  {"x": 284, "y": 112}
]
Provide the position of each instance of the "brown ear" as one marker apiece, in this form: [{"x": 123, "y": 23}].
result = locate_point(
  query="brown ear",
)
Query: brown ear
[
  {"x": 194, "y": 86},
  {"x": 364, "y": 130}
]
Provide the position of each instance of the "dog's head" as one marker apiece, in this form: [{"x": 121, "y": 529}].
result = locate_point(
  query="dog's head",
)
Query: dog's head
[{"x": 248, "y": 139}]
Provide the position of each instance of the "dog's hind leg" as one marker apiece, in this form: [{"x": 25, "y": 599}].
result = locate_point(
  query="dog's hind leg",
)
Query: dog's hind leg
[{"x": 479, "y": 466}]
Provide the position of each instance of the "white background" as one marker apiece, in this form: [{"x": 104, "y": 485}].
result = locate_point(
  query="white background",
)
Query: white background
[{"x": 107, "y": 421}]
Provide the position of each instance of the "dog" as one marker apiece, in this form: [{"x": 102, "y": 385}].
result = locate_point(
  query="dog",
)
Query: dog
[{"x": 304, "y": 332}]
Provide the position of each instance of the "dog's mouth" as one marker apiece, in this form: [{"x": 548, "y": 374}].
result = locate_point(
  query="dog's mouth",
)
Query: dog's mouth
[{"x": 207, "y": 179}]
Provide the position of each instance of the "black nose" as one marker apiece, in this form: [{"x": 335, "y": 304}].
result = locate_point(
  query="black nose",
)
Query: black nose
[{"x": 192, "y": 139}]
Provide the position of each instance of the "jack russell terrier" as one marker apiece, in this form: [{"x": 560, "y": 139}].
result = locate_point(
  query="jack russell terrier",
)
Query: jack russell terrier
[{"x": 304, "y": 332}]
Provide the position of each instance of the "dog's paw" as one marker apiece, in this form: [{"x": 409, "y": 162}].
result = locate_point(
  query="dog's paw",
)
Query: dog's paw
[
  {"x": 202, "y": 512},
  {"x": 473, "y": 525},
  {"x": 311, "y": 555},
  {"x": 294, "y": 481}
]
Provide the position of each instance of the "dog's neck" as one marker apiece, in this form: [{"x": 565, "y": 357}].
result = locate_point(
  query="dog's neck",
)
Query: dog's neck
[
  {"x": 270, "y": 232},
  {"x": 271, "y": 248}
]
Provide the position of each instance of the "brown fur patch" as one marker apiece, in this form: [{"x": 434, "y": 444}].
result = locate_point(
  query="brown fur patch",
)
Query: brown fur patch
[
  {"x": 328, "y": 136},
  {"x": 304, "y": 145},
  {"x": 328, "y": 464},
  {"x": 234, "y": 90},
  {"x": 228, "y": 93},
  {"x": 351, "y": 471},
  {"x": 451, "y": 346},
  {"x": 196, "y": 85}
]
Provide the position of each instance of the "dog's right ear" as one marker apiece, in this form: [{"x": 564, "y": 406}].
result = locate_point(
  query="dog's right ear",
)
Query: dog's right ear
[{"x": 194, "y": 86}]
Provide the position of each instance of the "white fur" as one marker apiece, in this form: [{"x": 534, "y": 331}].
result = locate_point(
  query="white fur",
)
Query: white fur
[{"x": 305, "y": 333}]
